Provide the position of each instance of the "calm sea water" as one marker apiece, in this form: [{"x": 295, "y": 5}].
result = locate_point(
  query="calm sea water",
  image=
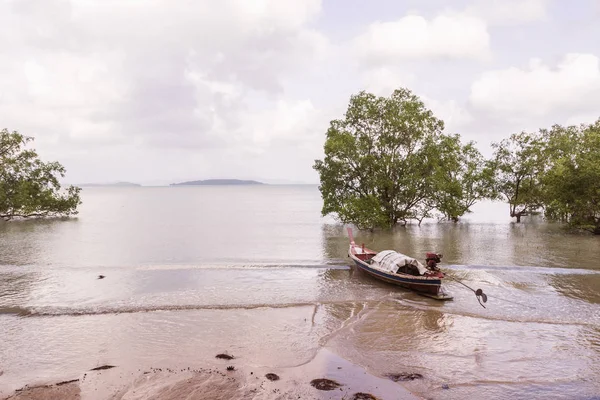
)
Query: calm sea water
[{"x": 256, "y": 270}]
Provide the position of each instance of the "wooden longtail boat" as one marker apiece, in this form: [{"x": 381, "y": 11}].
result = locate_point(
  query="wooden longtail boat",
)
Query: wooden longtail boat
[{"x": 401, "y": 270}]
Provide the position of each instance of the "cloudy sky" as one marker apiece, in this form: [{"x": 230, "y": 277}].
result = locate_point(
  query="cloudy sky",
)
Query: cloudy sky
[{"x": 155, "y": 91}]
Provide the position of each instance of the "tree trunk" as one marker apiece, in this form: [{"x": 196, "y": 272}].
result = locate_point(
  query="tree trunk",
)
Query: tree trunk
[
  {"x": 455, "y": 219},
  {"x": 518, "y": 217}
]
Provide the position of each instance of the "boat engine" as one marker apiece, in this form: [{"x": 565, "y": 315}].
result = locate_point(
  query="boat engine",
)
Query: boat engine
[{"x": 432, "y": 259}]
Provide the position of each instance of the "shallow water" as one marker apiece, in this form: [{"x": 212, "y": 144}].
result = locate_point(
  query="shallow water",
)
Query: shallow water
[{"x": 192, "y": 271}]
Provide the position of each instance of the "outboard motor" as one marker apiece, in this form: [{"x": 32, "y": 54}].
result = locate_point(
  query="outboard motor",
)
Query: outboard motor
[{"x": 432, "y": 259}]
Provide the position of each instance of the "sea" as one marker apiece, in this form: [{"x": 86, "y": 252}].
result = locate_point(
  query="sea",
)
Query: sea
[{"x": 257, "y": 270}]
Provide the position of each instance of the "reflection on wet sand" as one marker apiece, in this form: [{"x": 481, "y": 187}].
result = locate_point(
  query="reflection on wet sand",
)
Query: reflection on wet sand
[
  {"x": 466, "y": 352},
  {"x": 287, "y": 341}
]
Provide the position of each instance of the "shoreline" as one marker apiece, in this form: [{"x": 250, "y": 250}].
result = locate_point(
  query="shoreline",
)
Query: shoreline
[{"x": 306, "y": 381}]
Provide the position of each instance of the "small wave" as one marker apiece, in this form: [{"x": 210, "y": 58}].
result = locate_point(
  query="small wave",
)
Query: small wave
[
  {"x": 243, "y": 267},
  {"x": 527, "y": 269},
  {"x": 334, "y": 264},
  {"x": 14, "y": 310},
  {"x": 538, "y": 318},
  {"x": 74, "y": 312}
]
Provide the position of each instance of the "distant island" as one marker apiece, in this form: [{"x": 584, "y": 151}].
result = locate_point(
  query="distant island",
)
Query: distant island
[
  {"x": 124, "y": 184},
  {"x": 217, "y": 182}
]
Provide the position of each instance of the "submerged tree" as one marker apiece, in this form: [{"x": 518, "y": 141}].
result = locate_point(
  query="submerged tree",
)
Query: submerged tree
[
  {"x": 518, "y": 163},
  {"x": 571, "y": 183},
  {"x": 379, "y": 160},
  {"x": 462, "y": 178},
  {"x": 388, "y": 161},
  {"x": 29, "y": 187}
]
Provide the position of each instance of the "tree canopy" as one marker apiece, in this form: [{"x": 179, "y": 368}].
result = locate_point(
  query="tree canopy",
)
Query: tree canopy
[
  {"x": 29, "y": 187},
  {"x": 388, "y": 161},
  {"x": 571, "y": 179},
  {"x": 555, "y": 170},
  {"x": 518, "y": 163},
  {"x": 462, "y": 178}
]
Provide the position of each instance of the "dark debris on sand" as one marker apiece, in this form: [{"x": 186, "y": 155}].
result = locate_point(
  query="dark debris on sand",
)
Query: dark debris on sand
[
  {"x": 67, "y": 382},
  {"x": 324, "y": 384},
  {"x": 27, "y": 388},
  {"x": 364, "y": 396},
  {"x": 224, "y": 356},
  {"x": 272, "y": 377},
  {"x": 102, "y": 367},
  {"x": 404, "y": 376}
]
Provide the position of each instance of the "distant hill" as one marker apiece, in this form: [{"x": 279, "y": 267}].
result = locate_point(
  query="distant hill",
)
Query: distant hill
[
  {"x": 217, "y": 182},
  {"x": 124, "y": 184}
]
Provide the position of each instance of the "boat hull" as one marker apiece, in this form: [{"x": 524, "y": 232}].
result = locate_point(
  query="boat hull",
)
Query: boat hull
[
  {"x": 427, "y": 286},
  {"x": 430, "y": 286}
]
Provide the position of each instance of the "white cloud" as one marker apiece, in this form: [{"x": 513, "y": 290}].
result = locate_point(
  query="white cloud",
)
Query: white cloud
[
  {"x": 413, "y": 37},
  {"x": 454, "y": 115},
  {"x": 382, "y": 81},
  {"x": 148, "y": 72},
  {"x": 275, "y": 13},
  {"x": 249, "y": 86},
  {"x": 588, "y": 118},
  {"x": 290, "y": 122},
  {"x": 509, "y": 12},
  {"x": 539, "y": 90}
]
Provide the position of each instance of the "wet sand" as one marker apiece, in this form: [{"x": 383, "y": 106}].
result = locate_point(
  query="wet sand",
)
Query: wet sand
[{"x": 349, "y": 381}]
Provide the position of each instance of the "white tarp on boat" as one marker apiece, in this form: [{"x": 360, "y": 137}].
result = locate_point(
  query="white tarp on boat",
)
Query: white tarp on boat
[{"x": 390, "y": 261}]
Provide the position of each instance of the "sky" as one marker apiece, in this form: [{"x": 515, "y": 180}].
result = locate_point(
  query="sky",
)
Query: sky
[{"x": 157, "y": 91}]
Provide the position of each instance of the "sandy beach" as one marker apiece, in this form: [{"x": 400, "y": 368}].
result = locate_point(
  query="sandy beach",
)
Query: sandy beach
[{"x": 326, "y": 376}]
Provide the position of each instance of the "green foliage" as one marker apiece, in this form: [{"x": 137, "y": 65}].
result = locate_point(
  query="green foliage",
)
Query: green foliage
[
  {"x": 462, "y": 178},
  {"x": 378, "y": 159},
  {"x": 387, "y": 162},
  {"x": 557, "y": 170},
  {"x": 518, "y": 163},
  {"x": 28, "y": 186},
  {"x": 572, "y": 177}
]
